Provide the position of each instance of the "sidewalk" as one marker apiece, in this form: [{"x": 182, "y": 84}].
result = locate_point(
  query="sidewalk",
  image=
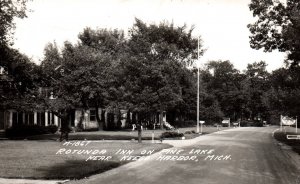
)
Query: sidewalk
[{"x": 27, "y": 181}]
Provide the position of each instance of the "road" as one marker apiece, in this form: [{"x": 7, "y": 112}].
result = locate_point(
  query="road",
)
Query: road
[{"x": 253, "y": 157}]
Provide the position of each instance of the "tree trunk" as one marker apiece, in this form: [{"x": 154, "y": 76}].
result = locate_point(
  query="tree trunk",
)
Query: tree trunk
[
  {"x": 99, "y": 121},
  {"x": 80, "y": 123},
  {"x": 161, "y": 119},
  {"x": 139, "y": 135},
  {"x": 128, "y": 119},
  {"x": 65, "y": 125}
]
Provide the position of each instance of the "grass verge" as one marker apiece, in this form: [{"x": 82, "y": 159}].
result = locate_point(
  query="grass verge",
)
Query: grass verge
[
  {"x": 123, "y": 135},
  {"x": 282, "y": 137}
]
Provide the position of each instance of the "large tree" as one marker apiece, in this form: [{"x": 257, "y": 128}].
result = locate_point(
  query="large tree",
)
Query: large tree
[
  {"x": 10, "y": 58},
  {"x": 155, "y": 71},
  {"x": 224, "y": 82},
  {"x": 277, "y": 27},
  {"x": 19, "y": 82},
  {"x": 284, "y": 92},
  {"x": 257, "y": 85},
  {"x": 9, "y": 10},
  {"x": 145, "y": 73},
  {"x": 82, "y": 74},
  {"x": 21, "y": 74}
]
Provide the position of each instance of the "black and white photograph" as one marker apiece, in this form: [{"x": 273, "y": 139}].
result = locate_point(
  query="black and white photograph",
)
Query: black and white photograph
[{"x": 149, "y": 92}]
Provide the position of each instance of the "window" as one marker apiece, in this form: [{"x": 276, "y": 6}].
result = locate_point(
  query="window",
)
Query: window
[{"x": 93, "y": 115}]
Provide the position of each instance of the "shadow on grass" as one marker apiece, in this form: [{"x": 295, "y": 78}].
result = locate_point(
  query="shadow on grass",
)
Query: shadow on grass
[
  {"x": 77, "y": 169},
  {"x": 294, "y": 143}
]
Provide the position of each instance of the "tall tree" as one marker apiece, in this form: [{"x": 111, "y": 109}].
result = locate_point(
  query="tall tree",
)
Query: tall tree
[
  {"x": 257, "y": 86},
  {"x": 277, "y": 27},
  {"x": 284, "y": 93},
  {"x": 105, "y": 40},
  {"x": 20, "y": 72},
  {"x": 224, "y": 82},
  {"x": 10, "y": 58},
  {"x": 9, "y": 10},
  {"x": 155, "y": 70},
  {"x": 78, "y": 76},
  {"x": 19, "y": 83}
]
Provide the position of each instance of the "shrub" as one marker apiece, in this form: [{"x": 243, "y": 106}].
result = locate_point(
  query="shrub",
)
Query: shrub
[
  {"x": 258, "y": 124},
  {"x": 29, "y": 130},
  {"x": 52, "y": 128},
  {"x": 188, "y": 132},
  {"x": 79, "y": 127},
  {"x": 90, "y": 130},
  {"x": 171, "y": 135},
  {"x": 245, "y": 123}
]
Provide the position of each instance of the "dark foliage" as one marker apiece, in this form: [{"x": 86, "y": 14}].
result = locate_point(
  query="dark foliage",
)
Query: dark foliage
[
  {"x": 23, "y": 131},
  {"x": 171, "y": 135}
]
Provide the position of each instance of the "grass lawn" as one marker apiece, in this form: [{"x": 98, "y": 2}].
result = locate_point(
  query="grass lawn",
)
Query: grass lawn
[
  {"x": 123, "y": 135},
  {"x": 205, "y": 130},
  {"x": 294, "y": 143},
  {"x": 38, "y": 159}
]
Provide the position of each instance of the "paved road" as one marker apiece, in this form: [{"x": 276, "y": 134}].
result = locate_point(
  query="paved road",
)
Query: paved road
[{"x": 254, "y": 158}]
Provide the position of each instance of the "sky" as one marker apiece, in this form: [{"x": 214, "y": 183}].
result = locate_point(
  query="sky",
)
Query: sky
[{"x": 222, "y": 25}]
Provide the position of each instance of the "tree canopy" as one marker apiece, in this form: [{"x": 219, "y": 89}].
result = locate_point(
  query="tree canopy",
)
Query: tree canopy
[
  {"x": 277, "y": 27},
  {"x": 21, "y": 74},
  {"x": 146, "y": 72},
  {"x": 9, "y": 10}
]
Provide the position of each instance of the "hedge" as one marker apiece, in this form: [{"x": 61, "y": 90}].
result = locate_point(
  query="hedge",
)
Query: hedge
[
  {"x": 29, "y": 130},
  {"x": 171, "y": 135}
]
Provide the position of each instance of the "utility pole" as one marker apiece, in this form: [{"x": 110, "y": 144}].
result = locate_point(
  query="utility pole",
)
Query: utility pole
[{"x": 198, "y": 87}]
